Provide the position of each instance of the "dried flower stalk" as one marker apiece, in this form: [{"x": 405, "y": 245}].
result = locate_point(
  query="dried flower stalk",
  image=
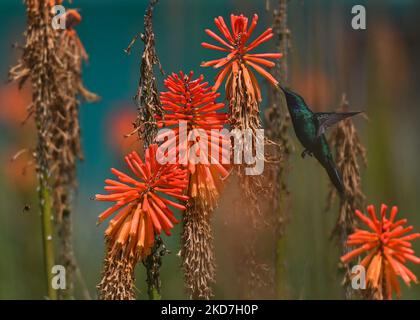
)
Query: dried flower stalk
[
  {"x": 52, "y": 61},
  {"x": 153, "y": 262},
  {"x": 244, "y": 114},
  {"x": 66, "y": 138},
  {"x": 277, "y": 125},
  {"x": 192, "y": 103},
  {"x": 147, "y": 97},
  {"x": 244, "y": 107},
  {"x": 350, "y": 156},
  {"x": 117, "y": 278},
  {"x": 244, "y": 95},
  {"x": 276, "y": 116},
  {"x": 198, "y": 257},
  {"x": 149, "y": 108},
  {"x": 39, "y": 65}
]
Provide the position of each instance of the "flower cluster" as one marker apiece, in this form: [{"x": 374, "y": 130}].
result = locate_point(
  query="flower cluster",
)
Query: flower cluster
[
  {"x": 388, "y": 248},
  {"x": 143, "y": 210},
  {"x": 239, "y": 57},
  {"x": 194, "y": 103}
]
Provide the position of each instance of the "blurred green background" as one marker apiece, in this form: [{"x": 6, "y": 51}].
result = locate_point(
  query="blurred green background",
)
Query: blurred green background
[{"x": 377, "y": 68}]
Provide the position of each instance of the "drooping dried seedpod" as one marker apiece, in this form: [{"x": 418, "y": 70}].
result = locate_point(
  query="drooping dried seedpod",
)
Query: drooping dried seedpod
[
  {"x": 388, "y": 249},
  {"x": 190, "y": 106},
  {"x": 244, "y": 95},
  {"x": 350, "y": 156},
  {"x": 141, "y": 211}
]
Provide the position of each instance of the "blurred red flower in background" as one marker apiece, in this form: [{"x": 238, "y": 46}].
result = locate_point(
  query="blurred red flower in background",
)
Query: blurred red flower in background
[
  {"x": 388, "y": 248},
  {"x": 143, "y": 210},
  {"x": 13, "y": 113},
  {"x": 14, "y": 103},
  {"x": 120, "y": 123}
]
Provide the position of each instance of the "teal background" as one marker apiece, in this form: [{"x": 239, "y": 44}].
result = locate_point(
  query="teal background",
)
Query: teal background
[{"x": 377, "y": 68}]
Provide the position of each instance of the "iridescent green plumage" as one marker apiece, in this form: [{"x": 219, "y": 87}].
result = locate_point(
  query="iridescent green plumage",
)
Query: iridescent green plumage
[{"x": 310, "y": 127}]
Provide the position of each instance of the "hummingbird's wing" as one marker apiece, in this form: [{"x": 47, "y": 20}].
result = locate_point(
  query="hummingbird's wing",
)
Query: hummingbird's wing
[{"x": 328, "y": 119}]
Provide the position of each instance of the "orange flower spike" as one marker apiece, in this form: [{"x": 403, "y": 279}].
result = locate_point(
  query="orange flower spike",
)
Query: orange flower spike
[
  {"x": 191, "y": 101},
  {"x": 143, "y": 211},
  {"x": 388, "y": 248},
  {"x": 238, "y": 51}
]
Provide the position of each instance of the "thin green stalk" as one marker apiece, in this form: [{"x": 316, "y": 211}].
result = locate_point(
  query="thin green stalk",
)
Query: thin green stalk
[
  {"x": 154, "y": 294},
  {"x": 282, "y": 291},
  {"x": 47, "y": 234}
]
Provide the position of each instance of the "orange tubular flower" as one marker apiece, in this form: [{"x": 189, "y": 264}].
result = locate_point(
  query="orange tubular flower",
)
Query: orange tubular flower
[
  {"x": 194, "y": 103},
  {"x": 388, "y": 248},
  {"x": 239, "y": 57},
  {"x": 142, "y": 210}
]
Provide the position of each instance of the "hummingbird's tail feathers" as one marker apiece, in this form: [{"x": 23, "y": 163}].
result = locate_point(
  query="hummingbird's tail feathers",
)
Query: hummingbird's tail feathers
[
  {"x": 335, "y": 176},
  {"x": 328, "y": 119}
]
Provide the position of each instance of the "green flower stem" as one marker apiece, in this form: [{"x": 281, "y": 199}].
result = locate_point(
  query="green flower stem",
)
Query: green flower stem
[
  {"x": 47, "y": 234},
  {"x": 154, "y": 294}
]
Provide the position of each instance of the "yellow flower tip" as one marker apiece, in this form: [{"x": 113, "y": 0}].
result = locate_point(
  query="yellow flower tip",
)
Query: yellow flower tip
[{"x": 215, "y": 88}]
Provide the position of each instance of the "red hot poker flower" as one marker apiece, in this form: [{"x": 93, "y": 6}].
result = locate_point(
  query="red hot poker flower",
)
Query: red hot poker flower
[
  {"x": 142, "y": 210},
  {"x": 239, "y": 56},
  {"x": 388, "y": 248},
  {"x": 194, "y": 103}
]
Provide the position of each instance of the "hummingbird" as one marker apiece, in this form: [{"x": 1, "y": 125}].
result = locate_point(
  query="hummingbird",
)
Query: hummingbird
[{"x": 310, "y": 128}]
